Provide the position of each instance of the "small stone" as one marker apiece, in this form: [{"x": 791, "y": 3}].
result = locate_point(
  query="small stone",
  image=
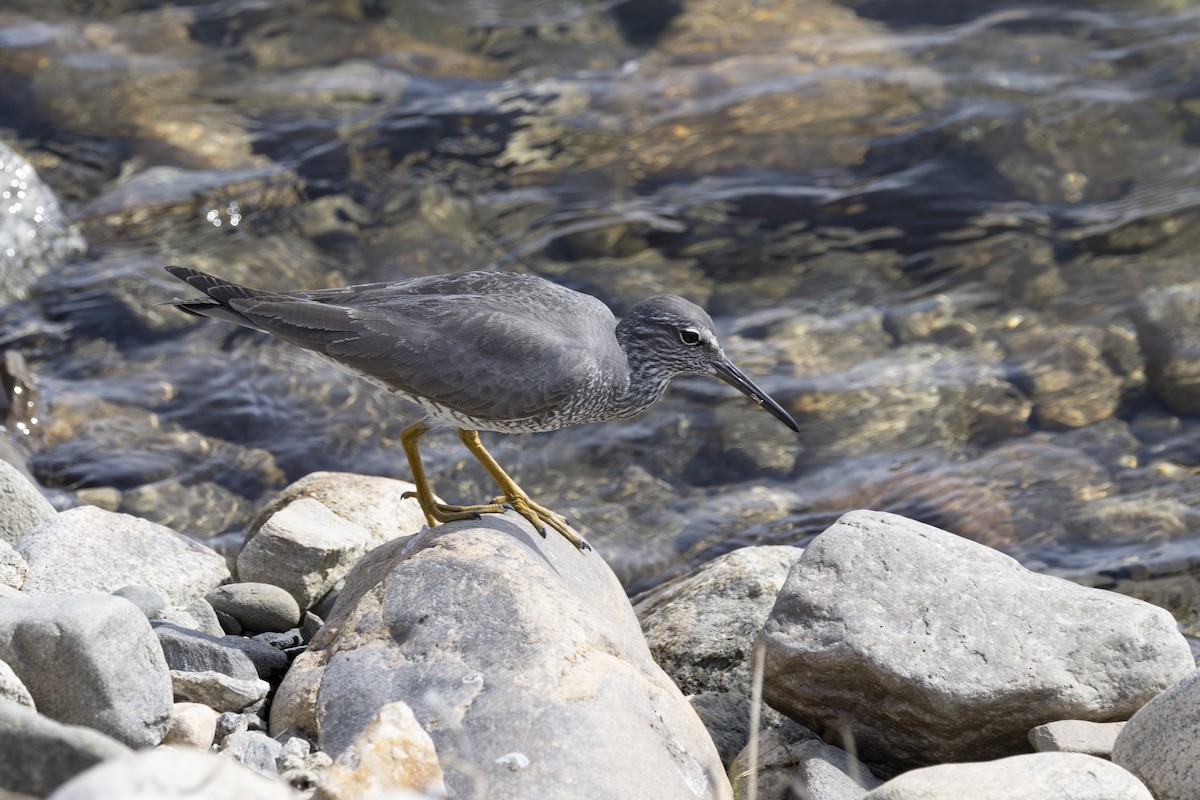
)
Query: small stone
[
  {"x": 270, "y": 662},
  {"x": 257, "y": 606},
  {"x": 12, "y": 689},
  {"x": 22, "y": 506},
  {"x": 173, "y": 772},
  {"x": 256, "y": 750},
  {"x": 192, "y": 724},
  {"x": 304, "y": 548},
  {"x": 821, "y": 771},
  {"x": 118, "y": 681},
  {"x": 1076, "y": 736},
  {"x": 310, "y": 624},
  {"x": 231, "y": 722},
  {"x": 1063, "y": 776},
  {"x": 393, "y": 752},
  {"x": 38, "y": 754},
  {"x": 228, "y": 622},
  {"x": 148, "y": 600},
  {"x": 193, "y": 651},
  {"x": 217, "y": 690}
]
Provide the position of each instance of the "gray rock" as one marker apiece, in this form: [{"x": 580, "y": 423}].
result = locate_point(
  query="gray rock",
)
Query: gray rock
[
  {"x": 197, "y": 615},
  {"x": 13, "y": 567},
  {"x": 1168, "y": 327},
  {"x": 89, "y": 660},
  {"x": 1076, "y": 736},
  {"x": 294, "y": 706},
  {"x": 257, "y": 606},
  {"x": 170, "y": 773},
  {"x": 35, "y": 234},
  {"x": 87, "y": 549},
  {"x": 506, "y": 644},
  {"x": 1161, "y": 742},
  {"x": 1062, "y": 776},
  {"x": 304, "y": 548},
  {"x": 192, "y": 724},
  {"x": 22, "y": 506},
  {"x": 149, "y": 601},
  {"x": 193, "y": 651},
  {"x": 964, "y": 649},
  {"x": 12, "y": 689},
  {"x": 38, "y": 754},
  {"x": 270, "y": 662},
  {"x": 217, "y": 690},
  {"x": 254, "y": 749},
  {"x": 804, "y": 767},
  {"x": 377, "y": 504}
]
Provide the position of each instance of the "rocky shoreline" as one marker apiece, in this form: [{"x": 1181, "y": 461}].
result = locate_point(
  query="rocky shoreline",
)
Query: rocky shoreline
[{"x": 349, "y": 651}]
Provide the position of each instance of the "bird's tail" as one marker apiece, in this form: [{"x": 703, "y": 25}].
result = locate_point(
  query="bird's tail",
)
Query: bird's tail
[{"x": 219, "y": 294}]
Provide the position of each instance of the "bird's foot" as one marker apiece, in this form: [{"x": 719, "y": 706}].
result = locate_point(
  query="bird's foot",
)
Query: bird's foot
[
  {"x": 540, "y": 516},
  {"x": 444, "y": 512}
]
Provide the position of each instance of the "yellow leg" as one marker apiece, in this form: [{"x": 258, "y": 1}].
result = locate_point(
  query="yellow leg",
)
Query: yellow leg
[
  {"x": 434, "y": 511},
  {"x": 539, "y": 517}
]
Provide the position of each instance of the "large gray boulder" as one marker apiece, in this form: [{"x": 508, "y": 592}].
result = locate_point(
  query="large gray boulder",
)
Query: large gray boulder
[
  {"x": 38, "y": 754},
  {"x": 928, "y": 647},
  {"x": 1161, "y": 743},
  {"x": 89, "y": 660},
  {"x": 519, "y": 655},
  {"x": 88, "y": 549},
  {"x": 1061, "y": 776}
]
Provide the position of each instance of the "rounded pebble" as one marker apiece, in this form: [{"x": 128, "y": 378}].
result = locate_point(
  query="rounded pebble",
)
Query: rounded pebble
[{"x": 258, "y": 607}]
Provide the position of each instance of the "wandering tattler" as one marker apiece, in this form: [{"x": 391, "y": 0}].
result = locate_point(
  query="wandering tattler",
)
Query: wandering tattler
[{"x": 489, "y": 351}]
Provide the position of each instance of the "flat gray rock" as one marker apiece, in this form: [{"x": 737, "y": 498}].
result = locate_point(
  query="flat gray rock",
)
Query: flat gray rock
[
  {"x": 173, "y": 773},
  {"x": 821, "y": 771},
  {"x": 1161, "y": 742},
  {"x": 217, "y": 690},
  {"x": 304, "y": 548},
  {"x": 519, "y": 655},
  {"x": 193, "y": 651},
  {"x": 22, "y": 506},
  {"x": 254, "y": 749},
  {"x": 257, "y": 607},
  {"x": 933, "y": 648},
  {"x": 1061, "y": 776},
  {"x": 89, "y": 660},
  {"x": 1076, "y": 736},
  {"x": 88, "y": 549},
  {"x": 38, "y": 754}
]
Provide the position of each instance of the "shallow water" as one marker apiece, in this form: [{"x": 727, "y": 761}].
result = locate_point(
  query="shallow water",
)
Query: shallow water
[{"x": 934, "y": 232}]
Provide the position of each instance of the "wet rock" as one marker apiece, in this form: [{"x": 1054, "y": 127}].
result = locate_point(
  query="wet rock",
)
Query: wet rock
[
  {"x": 12, "y": 689},
  {"x": 193, "y": 651},
  {"x": 1064, "y": 371},
  {"x": 539, "y": 645},
  {"x": 878, "y": 600},
  {"x": 35, "y": 234},
  {"x": 393, "y": 752},
  {"x": 37, "y": 754},
  {"x": 23, "y": 506},
  {"x": 304, "y": 548},
  {"x": 1076, "y": 736},
  {"x": 821, "y": 771},
  {"x": 1168, "y": 326},
  {"x": 192, "y": 724},
  {"x": 118, "y": 682},
  {"x": 217, "y": 690},
  {"x": 1161, "y": 742},
  {"x": 87, "y": 549},
  {"x": 172, "y": 773},
  {"x": 1067, "y": 776},
  {"x": 377, "y": 504},
  {"x": 13, "y": 567},
  {"x": 256, "y": 606},
  {"x": 254, "y": 749}
]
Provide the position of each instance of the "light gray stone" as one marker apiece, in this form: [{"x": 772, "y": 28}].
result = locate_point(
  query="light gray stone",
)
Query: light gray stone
[
  {"x": 197, "y": 615},
  {"x": 1161, "y": 742},
  {"x": 217, "y": 690},
  {"x": 22, "y": 506},
  {"x": 173, "y": 773},
  {"x": 377, "y": 504},
  {"x": 38, "y": 754},
  {"x": 89, "y": 660},
  {"x": 392, "y": 753},
  {"x": 1062, "y": 776},
  {"x": 13, "y": 567},
  {"x": 254, "y": 749},
  {"x": 149, "y": 601},
  {"x": 12, "y": 689},
  {"x": 88, "y": 549},
  {"x": 964, "y": 650},
  {"x": 257, "y": 607},
  {"x": 192, "y": 724},
  {"x": 507, "y": 644},
  {"x": 304, "y": 548},
  {"x": 802, "y": 768},
  {"x": 193, "y": 651},
  {"x": 1076, "y": 736}
]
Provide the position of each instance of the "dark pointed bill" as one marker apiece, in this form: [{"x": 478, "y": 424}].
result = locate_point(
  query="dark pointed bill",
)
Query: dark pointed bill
[{"x": 727, "y": 372}]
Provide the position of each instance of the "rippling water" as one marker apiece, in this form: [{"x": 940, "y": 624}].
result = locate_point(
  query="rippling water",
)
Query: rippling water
[{"x": 955, "y": 240}]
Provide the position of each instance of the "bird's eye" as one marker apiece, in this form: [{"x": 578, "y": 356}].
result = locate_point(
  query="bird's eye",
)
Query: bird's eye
[{"x": 689, "y": 336}]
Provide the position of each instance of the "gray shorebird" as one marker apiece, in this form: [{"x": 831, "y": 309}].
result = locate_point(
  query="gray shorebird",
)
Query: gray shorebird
[{"x": 488, "y": 351}]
